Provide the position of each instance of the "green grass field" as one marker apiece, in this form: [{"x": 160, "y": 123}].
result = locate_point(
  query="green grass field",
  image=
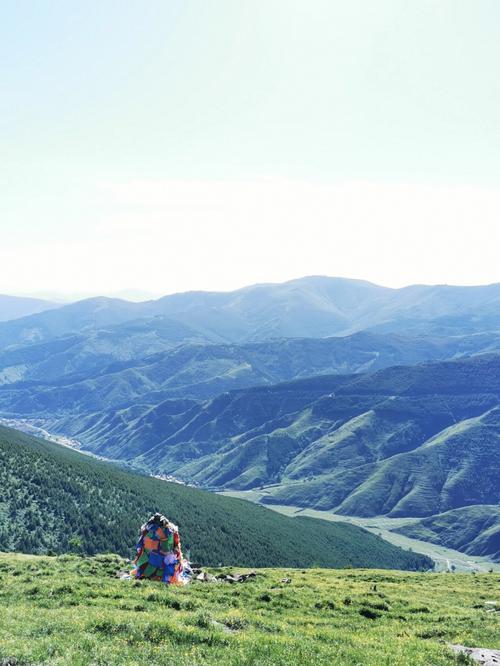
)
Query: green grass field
[{"x": 72, "y": 610}]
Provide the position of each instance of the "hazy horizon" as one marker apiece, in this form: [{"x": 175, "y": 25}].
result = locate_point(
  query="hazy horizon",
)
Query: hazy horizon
[
  {"x": 186, "y": 145},
  {"x": 134, "y": 295}
]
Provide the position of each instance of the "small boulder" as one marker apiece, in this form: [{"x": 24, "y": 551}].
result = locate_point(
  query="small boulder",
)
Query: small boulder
[
  {"x": 483, "y": 656},
  {"x": 205, "y": 577}
]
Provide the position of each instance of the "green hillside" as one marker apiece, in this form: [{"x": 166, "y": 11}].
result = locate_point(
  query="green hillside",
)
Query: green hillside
[
  {"x": 474, "y": 530},
  {"x": 58, "y": 500},
  {"x": 70, "y": 610},
  {"x": 151, "y": 360},
  {"x": 72, "y": 358},
  {"x": 458, "y": 466},
  {"x": 404, "y": 441}
]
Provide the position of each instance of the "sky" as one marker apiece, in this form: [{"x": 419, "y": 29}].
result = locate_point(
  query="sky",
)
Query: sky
[{"x": 172, "y": 145}]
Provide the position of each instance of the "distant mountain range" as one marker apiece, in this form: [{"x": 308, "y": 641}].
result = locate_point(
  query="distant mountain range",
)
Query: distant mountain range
[
  {"x": 81, "y": 374},
  {"x": 327, "y": 393},
  {"x": 14, "y": 307},
  {"x": 307, "y": 307}
]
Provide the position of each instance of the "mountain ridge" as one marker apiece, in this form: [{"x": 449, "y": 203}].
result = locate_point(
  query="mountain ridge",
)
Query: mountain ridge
[
  {"x": 85, "y": 373},
  {"x": 311, "y": 388},
  {"x": 306, "y": 307},
  {"x": 15, "y": 307},
  {"x": 328, "y": 442}
]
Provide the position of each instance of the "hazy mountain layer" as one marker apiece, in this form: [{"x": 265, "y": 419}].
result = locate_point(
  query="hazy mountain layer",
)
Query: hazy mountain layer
[
  {"x": 308, "y": 307},
  {"x": 76, "y": 357},
  {"x": 100, "y": 371},
  {"x": 14, "y": 307}
]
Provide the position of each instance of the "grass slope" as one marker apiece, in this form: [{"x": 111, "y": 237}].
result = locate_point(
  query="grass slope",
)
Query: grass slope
[
  {"x": 57, "y": 499},
  {"x": 68, "y": 610},
  {"x": 404, "y": 441},
  {"x": 474, "y": 530}
]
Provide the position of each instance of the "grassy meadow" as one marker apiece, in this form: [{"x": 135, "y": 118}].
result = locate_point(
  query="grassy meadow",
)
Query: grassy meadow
[{"x": 74, "y": 610}]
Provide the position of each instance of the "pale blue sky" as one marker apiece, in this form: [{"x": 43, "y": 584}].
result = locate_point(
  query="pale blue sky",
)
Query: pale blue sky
[{"x": 212, "y": 143}]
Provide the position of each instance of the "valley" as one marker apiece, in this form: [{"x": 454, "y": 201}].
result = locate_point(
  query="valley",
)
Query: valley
[
  {"x": 444, "y": 558},
  {"x": 56, "y": 500},
  {"x": 250, "y": 333},
  {"x": 36, "y": 429},
  {"x": 358, "y": 419}
]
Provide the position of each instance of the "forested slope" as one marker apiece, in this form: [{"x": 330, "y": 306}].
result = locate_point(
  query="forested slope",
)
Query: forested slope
[{"x": 55, "y": 499}]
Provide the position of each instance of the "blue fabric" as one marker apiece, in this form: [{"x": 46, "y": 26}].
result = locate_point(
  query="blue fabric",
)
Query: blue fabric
[{"x": 156, "y": 559}]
